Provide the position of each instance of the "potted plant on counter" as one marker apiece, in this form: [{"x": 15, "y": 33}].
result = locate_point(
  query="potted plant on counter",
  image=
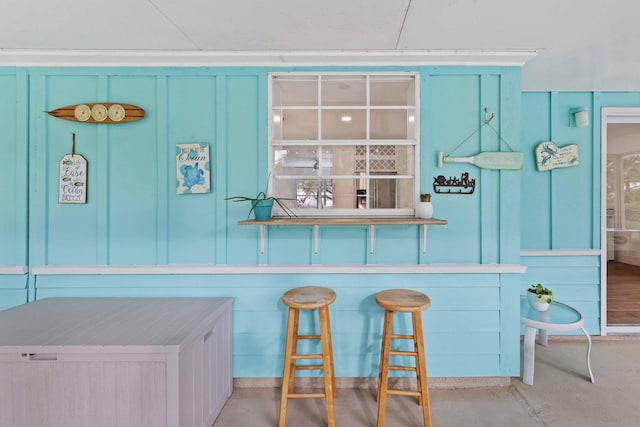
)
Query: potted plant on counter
[
  {"x": 262, "y": 204},
  {"x": 424, "y": 209},
  {"x": 539, "y": 297}
]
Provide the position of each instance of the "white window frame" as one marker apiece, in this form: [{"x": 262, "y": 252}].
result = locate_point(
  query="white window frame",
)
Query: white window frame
[{"x": 415, "y": 143}]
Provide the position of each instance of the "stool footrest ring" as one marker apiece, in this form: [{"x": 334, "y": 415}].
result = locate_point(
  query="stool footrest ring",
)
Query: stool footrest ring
[
  {"x": 403, "y": 353},
  {"x": 404, "y": 337},
  {"x": 308, "y": 337},
  {"x": 404, "y": 392},
  {"x": 306, "y": 356},
  {"x": 310, "y": 367},
  {"x": 306, "y": 395},
  {"x": 403, "y": 368}
]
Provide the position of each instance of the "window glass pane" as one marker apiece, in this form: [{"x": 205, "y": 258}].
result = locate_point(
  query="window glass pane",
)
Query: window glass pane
[
  {"x": 388, "y": 159},
  {"x": 314, "y": 194},
  {"x": 299, "y": 124},
  {"x": 296, "y": 160},
  {"x": 276, "y": 123},
  {"x": 337, "y": 193},
  {"x": 343, "y": 90},
  {"x": 385, "y": 193},
  {"x": 631, "y": 182},
  {"x": 294, "y": 91},
  {"x": 391, "y": 124},
  {"x": 392, "y": 90},
  {"x": 344, "y": 124}
]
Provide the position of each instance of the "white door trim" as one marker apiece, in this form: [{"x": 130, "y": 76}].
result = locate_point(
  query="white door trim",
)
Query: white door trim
[{"x": 610, "y": 115}]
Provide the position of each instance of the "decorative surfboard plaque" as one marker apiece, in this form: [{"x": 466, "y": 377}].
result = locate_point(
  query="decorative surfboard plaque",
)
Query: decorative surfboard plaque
[
  {"x": 192, "y": 168},
  {"x": 550, "y": 156},
  {"x": 99, "y": 112}
]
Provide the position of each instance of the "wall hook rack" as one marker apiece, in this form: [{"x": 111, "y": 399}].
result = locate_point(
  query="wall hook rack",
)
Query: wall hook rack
[{"x": 487, "y": 117}]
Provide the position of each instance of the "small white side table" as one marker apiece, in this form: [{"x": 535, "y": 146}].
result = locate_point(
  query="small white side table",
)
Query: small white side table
[{"x": 559, "y": 317}]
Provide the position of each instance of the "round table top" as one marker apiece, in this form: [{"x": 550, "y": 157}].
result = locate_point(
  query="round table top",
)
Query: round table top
[
  {"x": 558, "y": 317},
  {"x": 404, "y": 300},
  {"x": 308, "y": 297}
]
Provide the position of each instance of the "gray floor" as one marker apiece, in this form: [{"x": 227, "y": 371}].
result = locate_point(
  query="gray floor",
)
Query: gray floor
[{"x": 562, "y": 395}]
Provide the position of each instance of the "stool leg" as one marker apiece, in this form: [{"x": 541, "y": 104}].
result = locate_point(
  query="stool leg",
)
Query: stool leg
[
  {"x": 333, "y": 369},
  {"x": 294, "y": 350},
  {"x": 422, "y": 369},
  {"x": 288, "y": 352},
  {"x": 415, "y": 348},
  {"x": 382, "y": 347},
  {"x": 383, "y": 382},
  {"x": 325, "y": 337}
]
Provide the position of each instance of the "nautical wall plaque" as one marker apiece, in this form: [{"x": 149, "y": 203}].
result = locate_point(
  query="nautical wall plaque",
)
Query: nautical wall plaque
[
  {"x": 192, "y": 168},
  {"x": 99, "y": 112},
  {"x": 487, "y": 159},
  {"x": 72, "y": 186},
  {"x": 454, "y": 185},
  {"x": 550, "y": 156}
]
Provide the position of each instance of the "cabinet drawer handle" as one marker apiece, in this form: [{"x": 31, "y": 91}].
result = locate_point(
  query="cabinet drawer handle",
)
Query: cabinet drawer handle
[{"x": 41, "y": 356}]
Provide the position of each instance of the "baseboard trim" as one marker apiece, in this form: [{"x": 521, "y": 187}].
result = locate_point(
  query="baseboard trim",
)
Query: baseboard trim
[{"x": 371, "y": 383}]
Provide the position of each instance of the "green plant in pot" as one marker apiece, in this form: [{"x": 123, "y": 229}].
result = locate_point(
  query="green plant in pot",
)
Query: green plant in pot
[
  {"x": 539, "y": 297},
  {"x": 262, "y": 204}
]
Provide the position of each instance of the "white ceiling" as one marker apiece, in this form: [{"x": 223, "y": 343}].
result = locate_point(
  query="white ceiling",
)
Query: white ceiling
[{"x": 581, "y": 44}]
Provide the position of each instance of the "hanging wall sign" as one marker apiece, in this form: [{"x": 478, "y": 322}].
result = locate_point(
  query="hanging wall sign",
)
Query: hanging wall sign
[
  {"x": 192, "y": 168},
  {"x": 550, "y": 156},
  {"x": 72, "y": 185}
]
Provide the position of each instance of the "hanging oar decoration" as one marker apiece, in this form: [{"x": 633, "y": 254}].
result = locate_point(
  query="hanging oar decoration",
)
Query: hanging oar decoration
[{"x": 486, "y": 159}]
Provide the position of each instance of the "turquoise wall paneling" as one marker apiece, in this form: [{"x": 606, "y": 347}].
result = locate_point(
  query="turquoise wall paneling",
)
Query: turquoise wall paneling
[
  {"x": 536, "y": 186},
  {"x": 14, "y": 146},
  {"x": 246, "y": 162},
  {"x": 489, "y": 191},
  {"x": 572, "y": 195},
  {"x": 562, "y": 214},
  {"x": 13, "y": 172},
  {"x": 455, "y": 113},
  {"x": 133, "y": 215},
  {"x": 462, "y": 325},
  {"x": 342, "y": 245},
  {"x": 191, "y": 118},
  {"x": 289, "y": 245},
  {"x": 509, "y": 181},
  {"x": 68, "y": 230},
  {"x": 133, "y": 175}
]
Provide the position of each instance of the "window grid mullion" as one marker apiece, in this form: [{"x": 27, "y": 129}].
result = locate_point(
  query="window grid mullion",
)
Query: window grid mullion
[{"x": 367, "y": 143}]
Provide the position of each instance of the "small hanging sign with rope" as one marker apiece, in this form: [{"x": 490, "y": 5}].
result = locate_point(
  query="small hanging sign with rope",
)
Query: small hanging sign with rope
[
  {"x": 72, "y": 186},
  {"x": 486, "y": 159}
]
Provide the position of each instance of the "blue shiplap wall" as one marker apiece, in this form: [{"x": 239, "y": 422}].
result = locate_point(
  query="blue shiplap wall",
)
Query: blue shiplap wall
[
  {"x": 455, "y": 345},
  {"x": 13, "y": 186},
  {"x": 134, "y": 217},
  {"x": 561, "y": 208}
]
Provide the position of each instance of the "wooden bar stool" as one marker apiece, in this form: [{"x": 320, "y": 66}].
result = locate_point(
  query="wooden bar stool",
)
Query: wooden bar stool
[
  {"x": 308, "y": 298},
  {"x": 406, "y": 301}
]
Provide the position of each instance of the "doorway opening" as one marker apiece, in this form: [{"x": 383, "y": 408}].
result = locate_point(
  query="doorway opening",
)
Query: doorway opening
[{"x": 620, "y": 257}]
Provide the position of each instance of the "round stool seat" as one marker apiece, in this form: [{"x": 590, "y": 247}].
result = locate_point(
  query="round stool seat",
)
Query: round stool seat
[
  {"x": 404, "y": 300},
  {"x": 308, "y": 297}
]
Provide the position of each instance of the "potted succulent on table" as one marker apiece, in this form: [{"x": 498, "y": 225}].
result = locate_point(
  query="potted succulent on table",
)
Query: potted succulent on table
[
  {"x": 539, "y": 297},
  {"x": 424, "y": 209},
  {"x": 262, "y": 204}
]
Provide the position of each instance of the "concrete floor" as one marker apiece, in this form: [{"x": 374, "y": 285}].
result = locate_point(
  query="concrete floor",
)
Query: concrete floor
[{"x": 562, "y": 395}]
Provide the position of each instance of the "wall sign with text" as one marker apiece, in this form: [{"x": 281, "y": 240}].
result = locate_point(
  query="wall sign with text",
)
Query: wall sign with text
[
  {"x": 72, "y": 187},
  {"x": 193, "y": 168}
]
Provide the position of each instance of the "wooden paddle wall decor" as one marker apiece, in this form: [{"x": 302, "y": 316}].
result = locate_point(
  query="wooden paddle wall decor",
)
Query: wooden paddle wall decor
[{"x": 99, "y": 112}]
